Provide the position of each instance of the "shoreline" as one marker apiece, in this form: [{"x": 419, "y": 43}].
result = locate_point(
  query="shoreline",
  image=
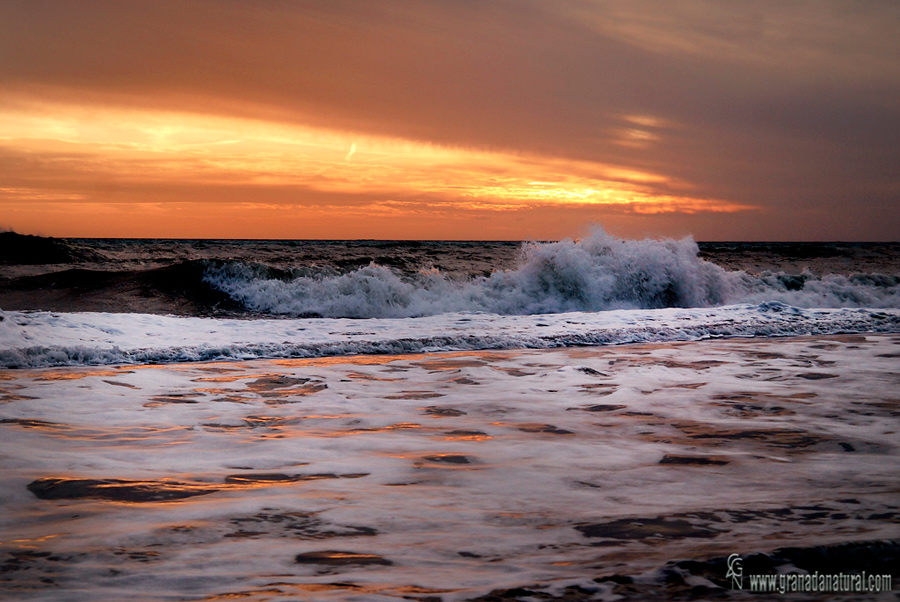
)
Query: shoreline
[
  {"x": 505, "y": 353},
  {"x": 43, "y": 339}
]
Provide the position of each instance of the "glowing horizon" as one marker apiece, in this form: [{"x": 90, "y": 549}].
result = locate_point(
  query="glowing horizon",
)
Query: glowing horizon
[{"x": 91, "y": 154}]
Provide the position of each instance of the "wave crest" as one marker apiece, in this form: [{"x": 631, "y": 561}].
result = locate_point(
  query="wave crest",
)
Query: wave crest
[{"x": 597, "y": 273}]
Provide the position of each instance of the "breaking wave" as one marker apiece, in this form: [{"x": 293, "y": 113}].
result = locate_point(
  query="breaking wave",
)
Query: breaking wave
[{"x": 599, "y": 272}]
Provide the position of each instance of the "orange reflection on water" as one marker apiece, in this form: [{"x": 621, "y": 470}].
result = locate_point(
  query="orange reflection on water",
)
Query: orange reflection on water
[
  {"x": 232, "y": 378},
  {"x": 338, "y": 360},
  {"x": 291, "y": 590},
  {"x": 400, "y": 426},
  {"x": 76, "y": 373},
  {"x": 327, "y": 416},
  {"x": 363, "y": 376},
  {"x": 450, "y": 364},
  {"x": 350, "y": 360},
  {"x": 465, "y": 436},
  {"x": 379, "y": 360},
  {"x": 41, "y": 425},
  {"x": 33, "y": 540}
]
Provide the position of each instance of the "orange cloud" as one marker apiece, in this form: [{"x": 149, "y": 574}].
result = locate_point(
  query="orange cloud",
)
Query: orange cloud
[{"x": 116, "y": 161}]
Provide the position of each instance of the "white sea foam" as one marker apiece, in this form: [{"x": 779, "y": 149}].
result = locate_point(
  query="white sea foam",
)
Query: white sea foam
[
  {"x": 571, "y": 466},
  {"x": 600, "y": 272},
  {"x": 34, "y": 339}
]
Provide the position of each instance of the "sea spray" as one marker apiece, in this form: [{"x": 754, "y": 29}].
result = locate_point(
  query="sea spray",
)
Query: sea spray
[{"x": 599, "y": 272}]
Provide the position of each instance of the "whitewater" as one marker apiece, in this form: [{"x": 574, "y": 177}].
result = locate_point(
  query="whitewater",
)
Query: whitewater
[
  {"x": 599, "y": 272},
  {"x": 42, "y": 339}
]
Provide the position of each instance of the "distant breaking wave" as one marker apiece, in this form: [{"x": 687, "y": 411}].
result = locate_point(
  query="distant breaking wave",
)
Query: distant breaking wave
[{"x": 599, "y": 272}]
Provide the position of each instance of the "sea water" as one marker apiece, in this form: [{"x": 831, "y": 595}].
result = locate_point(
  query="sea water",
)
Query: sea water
[
  {"x": 266, "y": 420},
  {"x": 114, "y": 301}
]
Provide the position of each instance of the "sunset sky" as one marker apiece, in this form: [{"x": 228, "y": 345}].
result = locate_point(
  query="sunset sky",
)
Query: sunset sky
[{"x": 454, "y": 119}]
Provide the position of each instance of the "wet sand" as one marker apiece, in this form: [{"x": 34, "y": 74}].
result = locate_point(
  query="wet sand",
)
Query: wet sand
[{"x": 580, "y": 473}]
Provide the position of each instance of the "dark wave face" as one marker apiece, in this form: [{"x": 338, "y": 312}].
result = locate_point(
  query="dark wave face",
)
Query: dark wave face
[
  {"x": 18, "y": 249},
  {"x": 177, "y": 289},
  {"x": 364, "y": 279}
]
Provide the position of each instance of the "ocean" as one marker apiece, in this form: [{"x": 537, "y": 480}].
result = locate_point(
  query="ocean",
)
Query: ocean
[
  {"x": 65, "y": 300},
  {"x": 590, "y": 419}
]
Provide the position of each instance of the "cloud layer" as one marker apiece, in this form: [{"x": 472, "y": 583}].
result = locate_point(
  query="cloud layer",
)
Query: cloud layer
[{"x": 763, "y": 120}]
